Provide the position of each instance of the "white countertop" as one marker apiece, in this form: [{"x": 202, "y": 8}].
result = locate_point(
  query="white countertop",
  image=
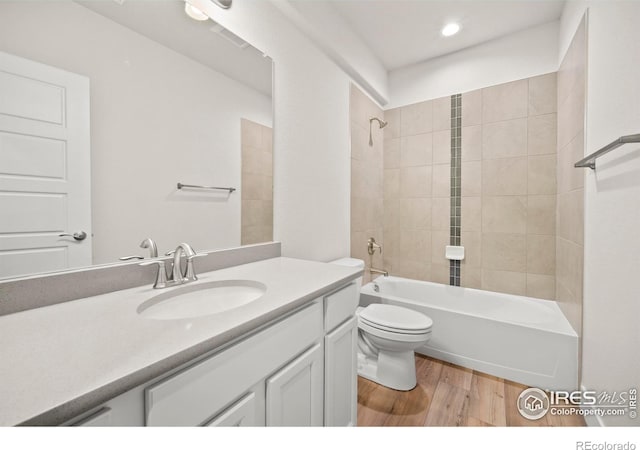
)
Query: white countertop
[{"x": 58, "y": 361}]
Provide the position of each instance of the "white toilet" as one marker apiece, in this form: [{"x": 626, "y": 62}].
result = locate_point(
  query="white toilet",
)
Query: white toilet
[{"x": 387, "y": 337}]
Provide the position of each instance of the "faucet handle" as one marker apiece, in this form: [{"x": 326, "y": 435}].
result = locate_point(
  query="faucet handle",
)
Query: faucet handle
[
  {"x": 161, "y": 276},
  {"x": 190, "y": 274},
  {"x": 196, "y": 255},
  {"x": 129, "y": 258},
  {"x": 372, "y": 245},
  {"x": 172, "y": 252}
]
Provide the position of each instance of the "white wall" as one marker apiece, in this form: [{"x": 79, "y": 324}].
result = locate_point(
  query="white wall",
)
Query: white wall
[
  {"x": 311, "y": 132},
  {"x": 611, "y": 338},
  {"x": 569, "y": 21},
  {"x": 520, "y": 55},
  {"x": 329, "y": 31},
  {"x": 157, "y": 118}
]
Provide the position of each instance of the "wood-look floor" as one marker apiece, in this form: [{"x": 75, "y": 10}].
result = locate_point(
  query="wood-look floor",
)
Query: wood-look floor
[{"x": 448, "y": 395}]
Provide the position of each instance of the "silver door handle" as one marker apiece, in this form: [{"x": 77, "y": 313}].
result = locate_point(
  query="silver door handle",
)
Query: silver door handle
[{"x": 78, "y": 235}]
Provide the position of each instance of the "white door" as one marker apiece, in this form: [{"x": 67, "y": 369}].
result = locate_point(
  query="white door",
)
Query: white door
[
  {"x": 44, "y": 168},
  {"x": 294, "y": 394},
  {"x": 341, "y": 375}
]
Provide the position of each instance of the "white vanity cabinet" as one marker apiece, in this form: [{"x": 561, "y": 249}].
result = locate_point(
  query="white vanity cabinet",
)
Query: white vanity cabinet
[
  {"x": 204, "y": 390},
  {"x": 298, "y": 371},
  {"x": 294, "y": 393},
  {"x": 340, "y": 356},
  {"x": 240, "y": 414},
  {"x": 341, "y": 386},
  {"x": 101, "y": 418}
]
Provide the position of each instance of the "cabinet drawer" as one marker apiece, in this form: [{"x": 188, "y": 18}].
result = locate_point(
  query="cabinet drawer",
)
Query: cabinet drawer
[
  {"x": 101, "y": 418},
  {"x": 241, "y": 414},
  {"x": 197, "y": 393},
  {"x": 339, "y": 306}
]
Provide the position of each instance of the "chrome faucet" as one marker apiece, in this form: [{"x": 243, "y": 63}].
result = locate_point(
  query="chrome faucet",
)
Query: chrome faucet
[
  {"x": 178, "y": 276},
  {"x": 188, "y": 274},
  {"x": 147, "y": 243},
  {"x": 151, "y": 245}
]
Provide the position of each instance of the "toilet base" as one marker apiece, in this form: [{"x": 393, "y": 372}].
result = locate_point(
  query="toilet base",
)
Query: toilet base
[{"x": 395, "y": 370}]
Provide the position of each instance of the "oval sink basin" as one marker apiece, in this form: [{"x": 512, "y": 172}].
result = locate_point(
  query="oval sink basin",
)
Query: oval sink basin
[{"x": 197, "y": 300}]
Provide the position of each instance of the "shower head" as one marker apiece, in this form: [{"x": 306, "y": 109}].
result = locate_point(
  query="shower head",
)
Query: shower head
[{"x": 381, "y": 124}]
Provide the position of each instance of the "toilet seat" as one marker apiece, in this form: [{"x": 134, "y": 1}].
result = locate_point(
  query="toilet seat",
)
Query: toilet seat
[
  {"x": 396, "y": 336},
  {"x": 394, "y": 330},
  {"x": 395, "y": 319}
]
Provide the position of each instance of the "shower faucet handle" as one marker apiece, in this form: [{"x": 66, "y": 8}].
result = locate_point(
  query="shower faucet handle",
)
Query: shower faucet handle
[{"x": 372, "y": 245}]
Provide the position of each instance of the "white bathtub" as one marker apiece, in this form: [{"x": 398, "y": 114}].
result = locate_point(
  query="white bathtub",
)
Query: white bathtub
[{"x": 522, "y": 339}]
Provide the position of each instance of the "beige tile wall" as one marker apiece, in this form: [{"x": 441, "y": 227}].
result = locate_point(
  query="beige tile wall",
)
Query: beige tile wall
[
  {"x": 513, "y": 181},
  {"x": 257, "y": 183},
  {"x": 570, "y": 189},
  {"x": 508, "y": 188},
  {"x": 367, "y": 185},
  {"x": 509, "y": 168},
  {"x": 416, "y": 195}
]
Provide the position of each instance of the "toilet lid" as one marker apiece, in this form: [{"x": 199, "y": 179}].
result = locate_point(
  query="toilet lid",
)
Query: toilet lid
[{"x": 395, "y": 318}]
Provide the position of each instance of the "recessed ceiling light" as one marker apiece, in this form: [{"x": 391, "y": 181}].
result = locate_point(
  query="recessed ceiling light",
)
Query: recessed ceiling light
[
  {"x": 194, "y": 12},
  {"x": 450, "y": 29}
]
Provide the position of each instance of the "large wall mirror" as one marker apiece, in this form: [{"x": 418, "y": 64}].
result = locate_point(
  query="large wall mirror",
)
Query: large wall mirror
[{"x": 105, "y": 107}]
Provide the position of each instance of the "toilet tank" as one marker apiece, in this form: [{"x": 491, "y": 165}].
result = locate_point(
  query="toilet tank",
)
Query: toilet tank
[{"x": 351, "y": 262}]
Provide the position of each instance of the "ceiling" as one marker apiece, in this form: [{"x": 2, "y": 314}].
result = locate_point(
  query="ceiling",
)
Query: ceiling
[
  {"x": 166, "y": 23},
  {"x": 399, "y": 32},
  {"x": 405, "y": 32}
]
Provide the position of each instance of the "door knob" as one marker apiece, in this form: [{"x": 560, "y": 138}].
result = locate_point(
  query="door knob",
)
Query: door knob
[{"x": 78, "y": 235}]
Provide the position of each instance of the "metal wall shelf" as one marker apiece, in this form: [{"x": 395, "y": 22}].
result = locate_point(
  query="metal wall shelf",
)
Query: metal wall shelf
[{"x": 210, "y": 188}]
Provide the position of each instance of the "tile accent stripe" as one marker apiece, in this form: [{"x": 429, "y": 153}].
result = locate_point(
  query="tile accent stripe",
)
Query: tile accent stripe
[{"x": 456, "y": 180}]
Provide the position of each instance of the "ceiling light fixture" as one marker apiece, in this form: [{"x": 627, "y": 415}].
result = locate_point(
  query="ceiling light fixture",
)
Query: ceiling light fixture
[
  {"x": 194, "y": 12},
  {"x": 450, "y": 29}
]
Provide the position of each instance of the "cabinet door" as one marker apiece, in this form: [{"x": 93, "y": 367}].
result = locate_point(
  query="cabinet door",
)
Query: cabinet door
[
  {"x": 240, "y": 414},
  {"x": 341, "y": 376},
  {"x": 294, "y": 393},
  {"x": 102, "y": 418}
]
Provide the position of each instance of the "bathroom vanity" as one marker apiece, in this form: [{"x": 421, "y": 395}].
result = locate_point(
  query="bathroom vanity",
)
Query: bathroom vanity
[{"x": 287, "y": 358}]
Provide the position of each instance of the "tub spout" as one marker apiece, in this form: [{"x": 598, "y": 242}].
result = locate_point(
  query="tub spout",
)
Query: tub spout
[{"x": 379, "y": 271}]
